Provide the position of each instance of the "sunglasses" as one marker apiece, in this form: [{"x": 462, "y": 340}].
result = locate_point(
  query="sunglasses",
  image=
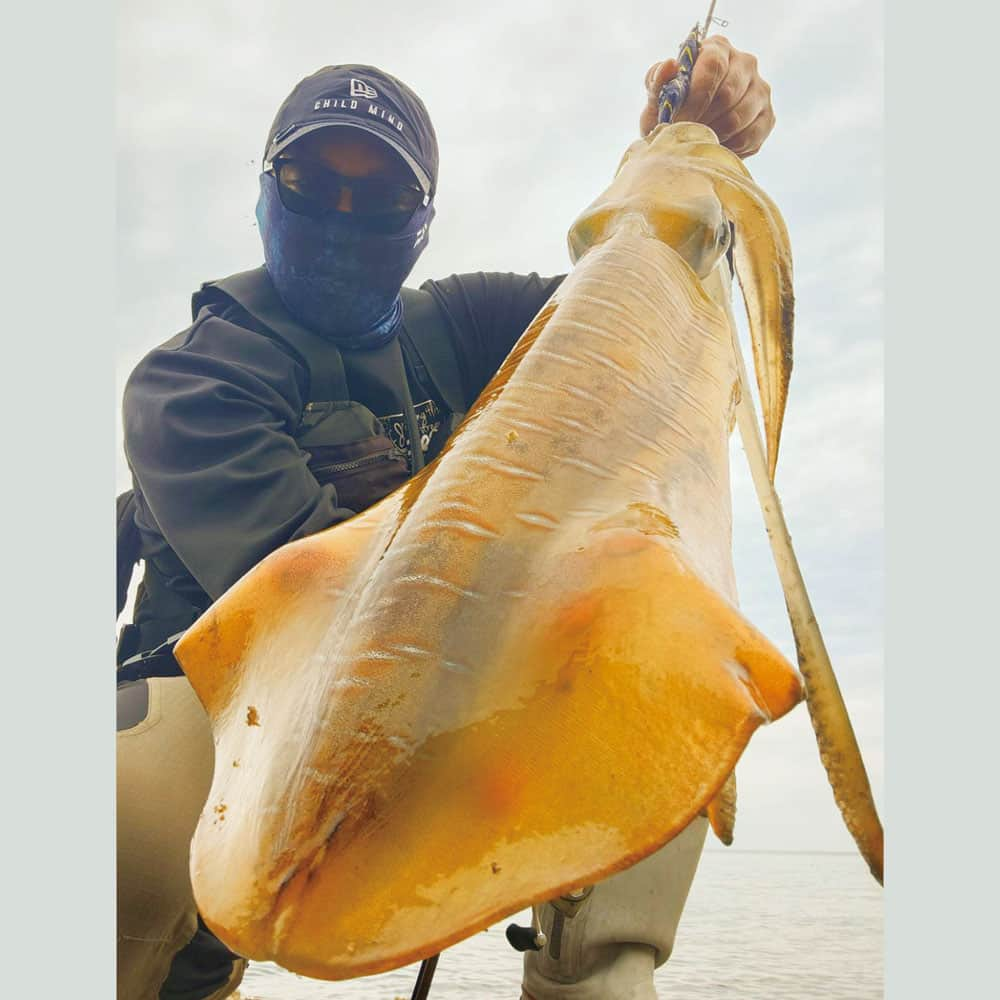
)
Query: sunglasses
[{"x": 312, "y": 189}]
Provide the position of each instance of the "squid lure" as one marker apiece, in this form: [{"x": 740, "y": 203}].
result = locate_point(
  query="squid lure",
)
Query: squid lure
[{"x": 674, "y": 92}]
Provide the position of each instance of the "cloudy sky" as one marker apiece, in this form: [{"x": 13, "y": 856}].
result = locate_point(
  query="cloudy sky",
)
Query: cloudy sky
[{"x": 533, "y": 105}]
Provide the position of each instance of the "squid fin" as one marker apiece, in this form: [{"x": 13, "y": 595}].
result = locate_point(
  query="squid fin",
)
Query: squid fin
[
  {"x": 278, "y": 613},
  {"x": 381, "y": 819}
]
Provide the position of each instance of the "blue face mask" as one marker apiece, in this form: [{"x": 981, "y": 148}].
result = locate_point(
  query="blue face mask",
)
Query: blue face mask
[{"x": 334, "y": 276}]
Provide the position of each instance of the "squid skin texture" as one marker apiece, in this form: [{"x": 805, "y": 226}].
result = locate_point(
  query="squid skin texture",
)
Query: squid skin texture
[
  {"x": 686, "y": 188},
  {"x": 519, "y": 673}
]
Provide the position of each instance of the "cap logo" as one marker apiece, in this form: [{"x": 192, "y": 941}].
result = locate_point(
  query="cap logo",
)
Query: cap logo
[{"x": 361, "y": 89}]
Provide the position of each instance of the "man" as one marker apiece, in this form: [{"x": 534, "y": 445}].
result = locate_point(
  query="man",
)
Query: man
[{"x": 304, "y": 392}]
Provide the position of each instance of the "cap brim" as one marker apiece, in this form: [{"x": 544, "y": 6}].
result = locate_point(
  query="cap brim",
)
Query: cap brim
[{"x": 383, "y": 134}]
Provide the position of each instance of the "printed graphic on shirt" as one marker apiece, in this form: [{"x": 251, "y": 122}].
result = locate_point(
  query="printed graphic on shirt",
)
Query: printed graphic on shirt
[{"x": 428, "y": 423}]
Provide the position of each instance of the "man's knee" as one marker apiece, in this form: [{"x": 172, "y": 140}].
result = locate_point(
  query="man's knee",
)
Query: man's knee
[
  {"x": 607, "y": 946},
  {"x": 164, "y": 771}
]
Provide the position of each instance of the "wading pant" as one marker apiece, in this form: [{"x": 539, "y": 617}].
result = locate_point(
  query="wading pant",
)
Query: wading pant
[
  {"x": 165, "y": 762},
  {"x": 606, "y": 946}
]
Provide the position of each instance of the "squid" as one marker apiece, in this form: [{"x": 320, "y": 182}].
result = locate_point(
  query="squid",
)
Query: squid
[{"x": 525, "y": 669}]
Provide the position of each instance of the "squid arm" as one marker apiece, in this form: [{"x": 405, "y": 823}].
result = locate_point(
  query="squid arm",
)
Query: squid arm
[{"x": 837, "y": 743}]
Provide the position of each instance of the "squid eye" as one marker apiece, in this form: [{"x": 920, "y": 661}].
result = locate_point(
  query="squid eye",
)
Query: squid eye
[{"x": 724, "y": 236}]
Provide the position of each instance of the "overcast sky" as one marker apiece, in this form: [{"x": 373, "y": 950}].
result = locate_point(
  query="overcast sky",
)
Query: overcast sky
[{"x": 533, "y": 105}]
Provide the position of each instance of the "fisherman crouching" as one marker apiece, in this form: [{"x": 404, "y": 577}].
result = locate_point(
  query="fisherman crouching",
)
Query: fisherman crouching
[{"x": 305, "y": 391}]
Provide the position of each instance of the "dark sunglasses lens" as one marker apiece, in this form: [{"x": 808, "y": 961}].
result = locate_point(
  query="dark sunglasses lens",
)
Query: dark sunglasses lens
[
  {"x": 383, "y": 206},
  {"x": 302, "y": 190},
  {"x": 374, "y": 197},
  {"x": 310, "y": 189},
  {"x": 298, "y": 204}
]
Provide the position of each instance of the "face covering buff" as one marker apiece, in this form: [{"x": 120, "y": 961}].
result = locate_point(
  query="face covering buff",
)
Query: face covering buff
[{"x": 335, "y": 276}]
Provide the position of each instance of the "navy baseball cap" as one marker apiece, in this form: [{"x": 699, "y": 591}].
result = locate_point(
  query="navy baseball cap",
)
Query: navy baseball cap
[{"x": 366, "y": 98}]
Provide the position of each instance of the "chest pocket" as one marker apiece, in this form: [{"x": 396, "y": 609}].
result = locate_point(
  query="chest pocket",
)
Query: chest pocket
[
  {"x": 346, "y": 443},
  {"x": 349, "y": 449}
]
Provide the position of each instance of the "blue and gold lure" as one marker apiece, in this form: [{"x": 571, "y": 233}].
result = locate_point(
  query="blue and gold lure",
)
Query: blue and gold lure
[{"x": 674, "y": 92}]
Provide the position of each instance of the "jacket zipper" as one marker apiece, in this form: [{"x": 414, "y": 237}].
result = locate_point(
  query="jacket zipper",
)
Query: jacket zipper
[{"x": 356, "y": 463}]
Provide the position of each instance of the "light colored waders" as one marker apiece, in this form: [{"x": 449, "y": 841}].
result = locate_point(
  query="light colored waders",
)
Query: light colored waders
[
  {"x": 165, "y": 764},
  {"x": 606, "y": 946}
]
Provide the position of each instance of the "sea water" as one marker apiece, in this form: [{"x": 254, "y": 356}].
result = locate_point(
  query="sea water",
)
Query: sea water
[{"x": 757, "y": 926}]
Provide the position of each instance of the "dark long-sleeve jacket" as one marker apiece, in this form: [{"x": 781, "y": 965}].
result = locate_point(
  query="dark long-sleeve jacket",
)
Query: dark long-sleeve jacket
[{"x": 210, "y": 435}]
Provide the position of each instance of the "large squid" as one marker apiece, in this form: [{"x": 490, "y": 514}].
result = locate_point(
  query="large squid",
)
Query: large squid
[{"x": 525, "y": 669}]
